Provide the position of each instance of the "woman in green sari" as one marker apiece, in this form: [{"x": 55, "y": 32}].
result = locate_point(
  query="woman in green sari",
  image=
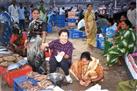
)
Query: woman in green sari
[{"x": 124, "y": 43}]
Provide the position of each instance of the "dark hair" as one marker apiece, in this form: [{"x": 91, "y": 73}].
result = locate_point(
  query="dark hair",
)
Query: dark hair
[
  {"x": 35, "y": 9},
  {"x": 101, "y": 16},
  {"x": 16, "y": 29},
  {"x": 31, "y": 5},
  {"x": 86, "y": 55},
  {"x": 89, "y": 4},
  {"x": 133, "y": 3},
  {"x": 41, "y": 1},
  {"x": 111, "y": 20},
  {"x": 63, "y": 30},
  {"x": 20, "y": 4},
  {"x": 123, "y": 15},
  {"x": 127, "y": 22}
]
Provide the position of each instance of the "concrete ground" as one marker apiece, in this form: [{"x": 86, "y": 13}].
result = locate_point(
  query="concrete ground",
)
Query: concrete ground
[{"x": 112, "y": 75}]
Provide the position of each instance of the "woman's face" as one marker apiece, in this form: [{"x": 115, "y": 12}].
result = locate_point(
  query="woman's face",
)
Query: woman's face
[
  {"x": 85, "y": 61},
  {"x": 124, "y": 25},
  {"x": 89, "y": 8},
  {"x": 35, "y": 14},
  {"x": 63, "y": 37}
]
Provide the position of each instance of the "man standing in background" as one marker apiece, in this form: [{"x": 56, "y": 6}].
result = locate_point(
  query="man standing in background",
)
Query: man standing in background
[
  {"x": 13, "y": 11},
  {"x": 21, "y": 12},
  {"x": 131, "y": 13}
]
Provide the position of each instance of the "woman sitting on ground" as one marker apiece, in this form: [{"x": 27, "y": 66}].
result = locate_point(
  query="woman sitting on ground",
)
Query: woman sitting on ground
[
  {"x": 18, "y": 41},
  {"x": 87, "y": 70},
  {"x": 62, "y": 50},
  {"x": 124, "y": 43}
]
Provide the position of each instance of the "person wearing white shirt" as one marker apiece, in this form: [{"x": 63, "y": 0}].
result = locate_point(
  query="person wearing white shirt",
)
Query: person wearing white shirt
[
  {"x": 30, "y": 11},
  {"x": 62, "y": 11},
  {"x": 21, "y": 11},
  {"x": 131, "y": 14},
  {"x": 81, "y": 25},
  {"x": 13, "y": 11}
]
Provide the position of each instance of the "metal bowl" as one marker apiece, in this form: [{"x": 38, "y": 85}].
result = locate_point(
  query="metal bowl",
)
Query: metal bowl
[{"x": 56, "y": 78}]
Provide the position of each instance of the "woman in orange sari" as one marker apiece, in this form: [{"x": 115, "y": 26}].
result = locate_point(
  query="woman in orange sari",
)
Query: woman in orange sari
[{"x": 87, "y": 70}]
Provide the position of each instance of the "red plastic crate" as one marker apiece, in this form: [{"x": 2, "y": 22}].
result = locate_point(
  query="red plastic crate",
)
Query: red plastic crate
[
  {"x": 2, "y": 70},
  {"x": 11, "y": 75}
]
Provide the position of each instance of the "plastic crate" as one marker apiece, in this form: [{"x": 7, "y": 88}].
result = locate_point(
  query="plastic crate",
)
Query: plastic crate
[
  {"x": 2, "y": 70},
  {"x": 103, "y": 29},
  {"x": 60, "y": 21},
  {"x": 60, "y": 17},
  {"x": 71, "y": 20},
  {"x": 6, "y": 34},
  {"x": 71, "y": 13},
  {"x": 11, "y": 75},
  {"x": 100, "y": 41},
  {"x": 49, "y": 28},
  {"x": 66, "y": 23},
  {"x": 61, "y": 24},
  {"x": 74, "y": 34},
  {"x": 19, "y": 80}
]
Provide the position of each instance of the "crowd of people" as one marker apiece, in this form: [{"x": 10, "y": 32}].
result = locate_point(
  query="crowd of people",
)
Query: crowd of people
[{"x": 32, "y": 42}]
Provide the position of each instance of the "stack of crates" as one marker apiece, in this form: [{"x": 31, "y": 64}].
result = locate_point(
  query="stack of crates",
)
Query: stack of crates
[
  {"x": 72, "y": 19},
  {"x": 5, "y": 28},
  {"x": 74, "y": 34},
  {"x": 9, "y": 76},
  {"x": 60, "y": 20},
  {"x": 6, "y": 33}
]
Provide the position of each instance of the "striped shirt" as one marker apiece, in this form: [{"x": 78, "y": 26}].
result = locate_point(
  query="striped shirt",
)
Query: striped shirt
[{"x": 56, "y": 46}]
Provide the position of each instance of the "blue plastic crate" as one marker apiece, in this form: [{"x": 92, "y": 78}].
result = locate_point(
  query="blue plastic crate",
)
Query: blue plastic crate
[
  {"x": 71, "y": 20},
  {"x": 60, "y": 17},
  {"x": 18, "y": 81},
  {"x": 61, "y": 24},
  {"x": 74, "y": 34},
  {"x": 66, "y": 23},
  {"x": 100, "y": 42},
  {"x": 6, "y": 34},
  {"x": 103, "y": 29},
  {"x": 49, "y": 28}
]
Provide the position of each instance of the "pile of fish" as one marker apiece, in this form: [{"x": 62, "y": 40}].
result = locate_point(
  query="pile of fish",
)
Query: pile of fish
[{"x": 40, "y": 82}]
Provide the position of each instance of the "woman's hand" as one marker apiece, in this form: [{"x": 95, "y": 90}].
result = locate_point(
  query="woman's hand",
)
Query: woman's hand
[
  {"x": 85, "y": 83},
  {"x": 15, "y": 46},
  {"x": 87, "y": 30},
  {"x": 43, "y": 45},
  {"x": 86, "y": 26},
  {"x": 82, "y": 83},
  {"x": 61, "y": 53}
]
